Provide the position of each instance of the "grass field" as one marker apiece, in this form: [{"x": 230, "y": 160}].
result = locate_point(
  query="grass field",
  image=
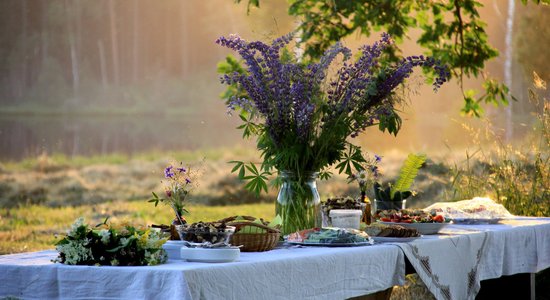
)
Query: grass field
[{"x": 35, "y": 227}]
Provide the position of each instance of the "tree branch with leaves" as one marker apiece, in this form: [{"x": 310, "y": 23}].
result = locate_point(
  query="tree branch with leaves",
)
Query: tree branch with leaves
[{"x": 451, "y": 31}]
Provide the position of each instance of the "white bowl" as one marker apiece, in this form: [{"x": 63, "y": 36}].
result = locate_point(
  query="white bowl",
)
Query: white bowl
[
  {"x": 173, "y": 249},
  {"x": 210, "y": 255},
  {"x": 423, "y": 228}
]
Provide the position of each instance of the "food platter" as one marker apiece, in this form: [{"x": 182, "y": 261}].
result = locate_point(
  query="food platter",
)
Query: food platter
[
  {"x": 385, "y": 239},
  {"x": 331, "y": 244},
  {"x": 423, "y": 228}
]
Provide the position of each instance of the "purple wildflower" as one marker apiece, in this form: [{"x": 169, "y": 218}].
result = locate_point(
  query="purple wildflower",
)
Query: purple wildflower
[
  {"x": 181, "y": 170},
  {"x": 168, "y": 172},
  {"x": 377, "y": 158},
  {"x": 187, "y": 181}
]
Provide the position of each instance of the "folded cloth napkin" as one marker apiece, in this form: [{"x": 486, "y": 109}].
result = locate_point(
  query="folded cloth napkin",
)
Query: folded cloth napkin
[
  {"x": 476, "y": 208},
  {"x": 448, "y": 265}
]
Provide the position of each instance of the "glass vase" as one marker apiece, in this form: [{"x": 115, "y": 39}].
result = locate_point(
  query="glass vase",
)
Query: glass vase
[{"x": 298, "y": 201}]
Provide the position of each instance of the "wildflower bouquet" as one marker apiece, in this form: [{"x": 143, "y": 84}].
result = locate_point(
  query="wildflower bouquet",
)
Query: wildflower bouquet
[
  {"x": 178, "y": 183},
  {"x": 109, "y": 245},
  {"x": 302, "y": 119}
]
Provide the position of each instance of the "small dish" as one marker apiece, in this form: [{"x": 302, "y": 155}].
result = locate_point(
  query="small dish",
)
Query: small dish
[
  {"x": 206, "y": 236},
  {"x": 210, "y": 255},
  {"x": 423, "y": 228},
  {"x": 172, "y": 249}
]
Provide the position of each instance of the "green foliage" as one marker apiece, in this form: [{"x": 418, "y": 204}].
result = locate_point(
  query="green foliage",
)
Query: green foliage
[
  {"x": 516, "y": 176},
  {"x": 408, "y": 172},
  {"x": 231, "y": 65},
  {"x": 352, "y": 159},
  {"x": 534, "y": 29},
  {"x": 400, "y": 190},
  {"x": 451, "y": 31},
  {"x": 255, "y": 3},
  {"x": 248, "y": 127},
  {"x": 388, "y": 194}
]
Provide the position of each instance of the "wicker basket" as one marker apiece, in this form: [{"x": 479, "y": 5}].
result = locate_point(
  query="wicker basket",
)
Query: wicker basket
[{"x": 265, "y": 240}]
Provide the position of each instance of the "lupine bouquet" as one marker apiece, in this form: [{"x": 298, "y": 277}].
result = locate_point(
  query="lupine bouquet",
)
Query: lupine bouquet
[{"x": 301, "y": 118}]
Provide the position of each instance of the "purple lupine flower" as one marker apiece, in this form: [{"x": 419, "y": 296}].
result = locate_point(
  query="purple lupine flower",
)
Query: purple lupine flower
[
  {"x": 187, "y": 181},
  {"x": 168, "y": 172},
  {"x": 181, "y": 170},
  {"x": 377, "y": 158},
  {"x": 298, "y": 106}
]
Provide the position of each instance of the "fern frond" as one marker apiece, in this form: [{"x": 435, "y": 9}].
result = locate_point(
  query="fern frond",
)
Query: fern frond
[{"x": 408, "y": 172}]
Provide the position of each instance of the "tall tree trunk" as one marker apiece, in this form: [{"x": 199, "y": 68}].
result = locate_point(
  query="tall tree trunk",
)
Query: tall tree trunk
[
  {"x": 44, "y": 33},
  {"x": 508, "y": 67},
  {"x": 114, "y": 41},
  {"x": 184, "y": 39},
  {"x": 72, "y": 50},
  {"x": 167, "y": 42},
  {"x": 78, "y": 16},
  {"x": 24, "y": 60},
  {"x": 135, "y": 47},
  {"x": 102, "y": 64}
]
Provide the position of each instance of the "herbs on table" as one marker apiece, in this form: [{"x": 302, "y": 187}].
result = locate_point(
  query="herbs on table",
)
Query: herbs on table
[{"x": 105, "y": 244}]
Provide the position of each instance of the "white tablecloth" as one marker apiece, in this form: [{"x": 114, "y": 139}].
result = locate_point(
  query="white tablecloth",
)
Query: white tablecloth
[
  {"x": 452, "y": 264},
  {"x": 293, "y": 273}
]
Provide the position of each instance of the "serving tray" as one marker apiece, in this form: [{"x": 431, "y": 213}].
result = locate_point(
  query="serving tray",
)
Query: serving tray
[{"x": 332, "y": 244}]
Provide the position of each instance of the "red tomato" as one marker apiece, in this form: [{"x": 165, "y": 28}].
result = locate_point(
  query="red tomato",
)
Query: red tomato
[
  {"x": 439, "y": 219},
  {"x": 385, "y": 220}
]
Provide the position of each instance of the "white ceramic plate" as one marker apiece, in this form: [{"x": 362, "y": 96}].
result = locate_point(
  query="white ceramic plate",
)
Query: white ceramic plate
[
  {"x": 423, "y": 228},
  {"x": 383, "y": 239},
  {"x": 211, "y": 255}
]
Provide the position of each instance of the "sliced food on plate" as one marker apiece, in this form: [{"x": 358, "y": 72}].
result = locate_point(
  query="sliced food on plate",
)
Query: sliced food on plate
[
  {"x": 391, "y": 233},
  {"x": 426, "y": 222},
  {"x": 329, "y": 237}
]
